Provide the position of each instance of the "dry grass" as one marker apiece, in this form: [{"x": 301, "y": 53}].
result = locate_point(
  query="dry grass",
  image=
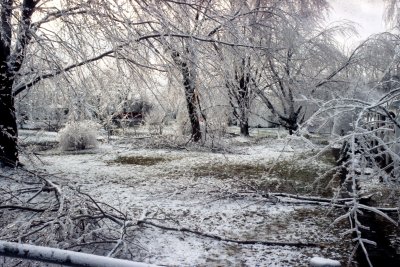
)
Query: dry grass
[
  {"x": 139, "y": 160},
  {"x": 227, "y": 171},
  {"x": 290, "y": 176}
]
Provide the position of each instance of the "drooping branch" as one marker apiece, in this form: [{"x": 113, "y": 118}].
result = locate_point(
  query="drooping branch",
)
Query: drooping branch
[
  {"x": 344, "y": 65},
  {"x": 20, "y": 88},
  {"x": 58, "y": 14}
]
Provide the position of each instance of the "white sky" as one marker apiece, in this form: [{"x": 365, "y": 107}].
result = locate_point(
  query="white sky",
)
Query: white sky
[{"x": 367, "y": 14}]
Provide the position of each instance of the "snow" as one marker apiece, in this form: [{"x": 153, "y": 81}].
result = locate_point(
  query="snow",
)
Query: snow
[
  {"x": 172, "y": 194},
  {"x": 322, "y": 262},
  {"x": 37, "y": 137}
]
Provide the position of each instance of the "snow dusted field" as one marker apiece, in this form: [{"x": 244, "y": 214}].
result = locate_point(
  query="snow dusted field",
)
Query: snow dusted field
[{"x": 220, "y": 193}]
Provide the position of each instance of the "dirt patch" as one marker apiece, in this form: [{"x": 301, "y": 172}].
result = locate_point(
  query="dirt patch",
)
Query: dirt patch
[{"x": 139, "y": 160}]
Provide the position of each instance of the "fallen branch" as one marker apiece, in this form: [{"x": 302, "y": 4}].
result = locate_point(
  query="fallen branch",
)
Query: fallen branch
[
  {"x": 333, "y": 202},
  {"x": 14, "y": 207},
  {"x": 61, "y": 213},
  {"x": 64, "y": 257},
  {"x": 223, "y": 239},
  {"x": 317, "y": 199}
]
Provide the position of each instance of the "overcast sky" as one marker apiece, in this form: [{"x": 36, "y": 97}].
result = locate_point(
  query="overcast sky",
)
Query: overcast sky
[{"x": 368, "y": 14}]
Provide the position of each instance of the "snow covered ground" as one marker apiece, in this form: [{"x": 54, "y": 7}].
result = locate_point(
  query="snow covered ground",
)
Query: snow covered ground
[{"x": 215, "y": 193}]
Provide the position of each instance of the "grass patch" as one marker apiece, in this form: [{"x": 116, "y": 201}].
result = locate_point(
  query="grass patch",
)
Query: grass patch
[
  {"x": 326, "y": 157},
  {"x": 301, "y": 177},
  {"x": 294, "y": 170},
  {"x": 226, "y": 171},
  {"x": 291, "y": 176},
  {"x": 139, "y": 160}
]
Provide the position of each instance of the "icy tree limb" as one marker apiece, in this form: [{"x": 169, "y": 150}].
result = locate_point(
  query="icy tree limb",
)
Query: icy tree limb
[
  {"x": 64, "y": 257},
  {"x": 322, "y": 262},
  {"x": 14, "y": 207},
  {"x": 224, "y": 239}
]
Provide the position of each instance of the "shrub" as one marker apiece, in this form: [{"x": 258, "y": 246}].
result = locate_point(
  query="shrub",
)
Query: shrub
[
  {"x": 183, "y": 123},
  {"x": 155, "y": 121},
  {"x": 78, "y": 135},
  {"x": 217, "y": 124}
]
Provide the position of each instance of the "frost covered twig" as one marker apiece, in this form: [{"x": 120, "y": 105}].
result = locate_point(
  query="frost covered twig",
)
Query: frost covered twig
[
  {"x": 57, "y": 215},
  {"x": 369, "y": 151}
]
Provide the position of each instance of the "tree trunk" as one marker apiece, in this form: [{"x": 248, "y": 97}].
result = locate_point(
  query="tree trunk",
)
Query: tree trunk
[
  {"x": 244, "y": 106},
  {"x": 192, "y": 108},
  {"x": 189, "y": 84},
  {"x": 240, "y": 96},
  {"x": 8, "y": 125},
  {"x": 244, "y": 128},
  {"x": 244, "y": 119}
]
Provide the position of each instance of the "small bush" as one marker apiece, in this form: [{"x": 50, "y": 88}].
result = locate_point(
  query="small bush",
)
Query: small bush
[
  {"x": 155, "y": 121},
  {"x": 183, "y": 123},
  {"x": 217, "y": 126},
  {"x": 78, "y": 135}
]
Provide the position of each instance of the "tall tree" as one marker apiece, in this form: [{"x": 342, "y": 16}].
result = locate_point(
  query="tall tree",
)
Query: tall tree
[
  {"x": 179, "y": 24},
  {"x": 304, "y": 60},
  {"x": 241, "y": 93}
]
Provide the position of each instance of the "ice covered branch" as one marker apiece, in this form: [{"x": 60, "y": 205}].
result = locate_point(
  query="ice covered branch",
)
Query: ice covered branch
[
  {"x": 229, "y": 240},
  {"x": 64, "y": 257}
]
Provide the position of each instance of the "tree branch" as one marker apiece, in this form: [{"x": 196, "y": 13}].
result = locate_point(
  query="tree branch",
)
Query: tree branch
[
  {"x": 223, "y": 239},
  {"x": 64, "y": 257}
]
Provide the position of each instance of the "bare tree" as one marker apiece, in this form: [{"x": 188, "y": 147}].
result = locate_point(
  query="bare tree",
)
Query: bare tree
[{"x": 184, "y": 20}]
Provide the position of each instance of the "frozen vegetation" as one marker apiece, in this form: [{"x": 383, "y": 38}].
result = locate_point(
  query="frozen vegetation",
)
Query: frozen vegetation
[
  {"x": 246, "y": 201},
  {"x": 198, "y": 133}
]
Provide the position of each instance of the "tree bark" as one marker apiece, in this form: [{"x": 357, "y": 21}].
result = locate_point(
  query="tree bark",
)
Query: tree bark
[
  {"x": 244, "y": 128},
  {"x": 8, "y": 123},
  {"x": 191, "y": 103},
  {"x": 244, "y": 105},
  {"x": 10, "y": 64}
]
